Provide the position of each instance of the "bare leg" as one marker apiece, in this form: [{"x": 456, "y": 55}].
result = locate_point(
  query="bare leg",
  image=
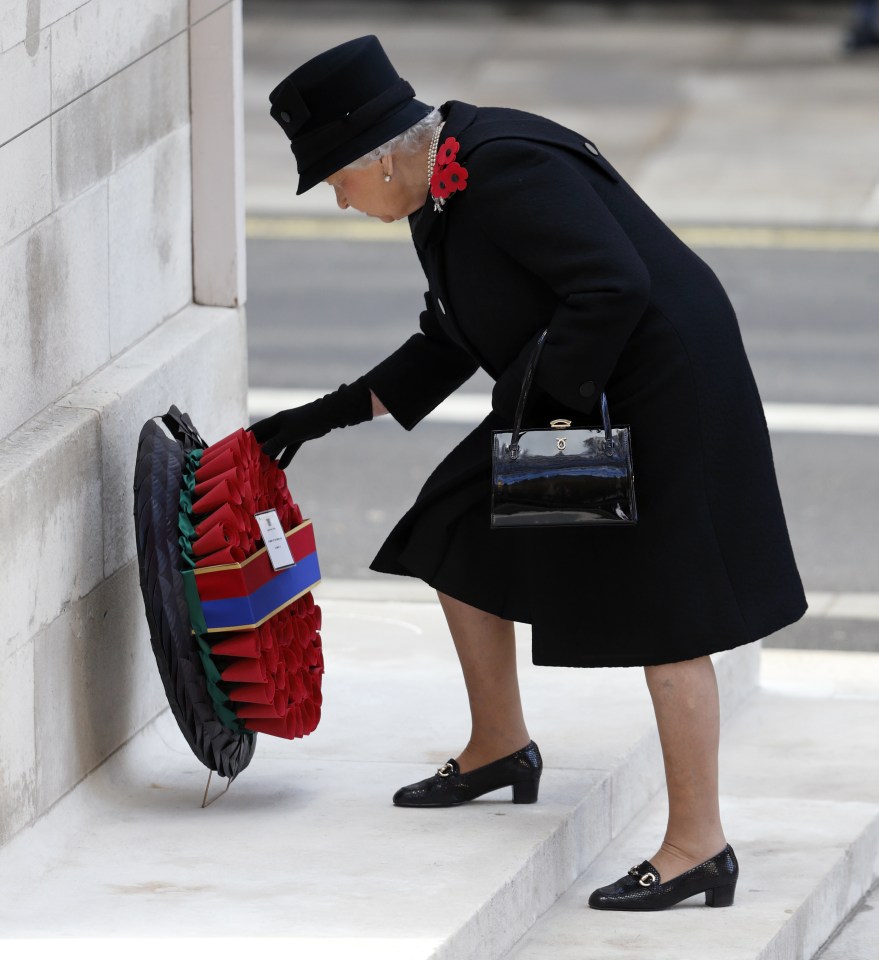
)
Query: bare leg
[
  {"x": 687, "y": 708},
  {"x": 487, "y": 650}
]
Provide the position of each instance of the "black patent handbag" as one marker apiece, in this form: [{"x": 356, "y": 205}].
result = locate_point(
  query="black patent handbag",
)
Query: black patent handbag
[{"x": 561, "y": 476}]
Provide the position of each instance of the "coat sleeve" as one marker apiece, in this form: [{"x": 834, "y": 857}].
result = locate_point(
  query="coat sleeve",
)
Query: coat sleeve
[
  {"x": 542, "y": 211},
  {"x": 419, "y": 375}
]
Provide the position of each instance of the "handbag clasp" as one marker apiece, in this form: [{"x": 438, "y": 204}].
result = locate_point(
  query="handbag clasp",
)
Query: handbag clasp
[{"x": 560, "y": 442}]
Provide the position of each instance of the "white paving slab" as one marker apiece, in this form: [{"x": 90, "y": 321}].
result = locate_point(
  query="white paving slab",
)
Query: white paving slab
[
  {"x": 800, "y": 800},
  {"x": 306, "y": 845}
]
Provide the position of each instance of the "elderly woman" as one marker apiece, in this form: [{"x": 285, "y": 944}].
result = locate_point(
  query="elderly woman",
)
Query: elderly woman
[{"x": 523, "y": 226}]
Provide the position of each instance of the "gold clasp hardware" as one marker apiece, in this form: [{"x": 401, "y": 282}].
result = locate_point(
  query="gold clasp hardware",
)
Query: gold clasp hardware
[{"x": 560, "y": 442}]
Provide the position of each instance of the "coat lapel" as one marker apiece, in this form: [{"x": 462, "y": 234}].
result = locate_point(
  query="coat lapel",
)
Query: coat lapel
[
  {"x": 428, "y": 231},
  {"x": 427, "y": 224}
]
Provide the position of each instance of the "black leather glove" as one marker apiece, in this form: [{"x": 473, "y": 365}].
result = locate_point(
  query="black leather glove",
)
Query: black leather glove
[{"x": 285, "y": 432}]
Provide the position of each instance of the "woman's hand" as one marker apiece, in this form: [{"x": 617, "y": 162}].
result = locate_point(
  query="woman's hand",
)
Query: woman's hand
[{"x": 285, "y": 432}]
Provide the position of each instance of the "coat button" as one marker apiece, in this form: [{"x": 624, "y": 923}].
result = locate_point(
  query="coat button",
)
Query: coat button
[
  {"x": 590, "y": 147},
  {"x": 440, "y": 305},
  {"x": 587, "y": 389},
  {"x": 285, "y": 116}
]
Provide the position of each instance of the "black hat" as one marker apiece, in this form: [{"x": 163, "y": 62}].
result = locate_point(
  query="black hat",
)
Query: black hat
[{"x": 340, "y": 105}]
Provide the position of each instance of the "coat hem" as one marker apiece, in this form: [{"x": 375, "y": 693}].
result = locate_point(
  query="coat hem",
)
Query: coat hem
[{"x": 636, "y": 660}]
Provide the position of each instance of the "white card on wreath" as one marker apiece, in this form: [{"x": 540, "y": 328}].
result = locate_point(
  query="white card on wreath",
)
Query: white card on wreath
[{"x": 273, "y": 537}]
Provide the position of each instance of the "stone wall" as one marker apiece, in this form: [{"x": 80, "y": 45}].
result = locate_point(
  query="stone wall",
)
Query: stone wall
[{"x": 122, "y": 292}]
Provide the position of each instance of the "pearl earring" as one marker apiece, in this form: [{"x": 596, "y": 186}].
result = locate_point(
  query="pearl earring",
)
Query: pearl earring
[{"x": 387, "y": 178}]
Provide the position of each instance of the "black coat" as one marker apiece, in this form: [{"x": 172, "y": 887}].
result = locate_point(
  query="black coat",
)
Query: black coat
[{"x": 548, "y": 234}]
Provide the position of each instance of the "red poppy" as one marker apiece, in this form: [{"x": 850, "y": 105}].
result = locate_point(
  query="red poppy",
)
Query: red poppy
[
  {"x": 440, "y": 186},
  {"x": 456, "y": 176},
  {"x": 447, "y": 181},
  {"x": 448, "y": 176},
  {"x": 448, "y": 151}
]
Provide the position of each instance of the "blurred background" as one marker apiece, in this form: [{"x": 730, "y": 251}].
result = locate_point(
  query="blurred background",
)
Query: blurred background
[{"x": 752, "y": 128}]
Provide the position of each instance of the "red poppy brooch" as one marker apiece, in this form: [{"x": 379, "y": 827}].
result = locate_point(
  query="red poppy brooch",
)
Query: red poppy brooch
[{"x": 447, "y": 176}]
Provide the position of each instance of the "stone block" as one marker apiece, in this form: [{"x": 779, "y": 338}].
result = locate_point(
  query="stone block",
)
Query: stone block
[
  {"x": 52, "y": 10},
  {"x": 53, "y": 301},
  {"x": 199, "y": 9},
  {"x": 635, "y": 780},
  {"x": 100, "y": 38},
  {"x": 13, "y": 23},
  {"x": 150, "y": 245},
  {"x": 738, "y": 677},
  {"x": 50, "y": 515},
  {"x": 218, "y": 158},
  {"x": 857, "y": 938},
  {"x": 197, "y": 360},
  {"x": 25, "y": 172},
  {"x": 98, "y": 133},
  {"x": 24, "y": 80},
  {"x": 96, "y": 684},
  {"x": 17, "y": 752}
]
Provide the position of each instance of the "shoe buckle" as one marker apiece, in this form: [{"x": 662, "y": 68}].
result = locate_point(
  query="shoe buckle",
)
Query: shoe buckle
[
  {"x": 446, "y": 770},
  {"x": 645, "y": 879}
]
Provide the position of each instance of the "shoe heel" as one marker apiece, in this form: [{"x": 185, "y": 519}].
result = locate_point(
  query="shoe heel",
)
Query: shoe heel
[
  {"x": 720, "y": 896},
  {"x": 525, "y": 791}
]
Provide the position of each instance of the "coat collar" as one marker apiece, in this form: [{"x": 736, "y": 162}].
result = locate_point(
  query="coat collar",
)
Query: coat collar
[{"x": 424, "y": 223}]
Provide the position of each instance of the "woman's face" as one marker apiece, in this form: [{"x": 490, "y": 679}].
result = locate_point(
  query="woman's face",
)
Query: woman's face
[{"x": 366, "y": 190}]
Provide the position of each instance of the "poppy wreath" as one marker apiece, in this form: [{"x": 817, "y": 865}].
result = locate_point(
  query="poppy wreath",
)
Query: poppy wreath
[
  {"x": 237, "y": 643},
  {"x": 448, "y": 176}
]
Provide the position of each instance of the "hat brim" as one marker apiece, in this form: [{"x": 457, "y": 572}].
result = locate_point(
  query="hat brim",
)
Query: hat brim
[{"x": 385, "y": 129}]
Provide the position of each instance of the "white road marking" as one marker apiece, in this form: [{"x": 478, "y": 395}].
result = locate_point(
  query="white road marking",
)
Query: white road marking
[
  {"x": 822, "y": 605},
  {"x": 470, "y": 408},
  {"x": 822, "y": 418},
  {"x": 843, "y": 606}
]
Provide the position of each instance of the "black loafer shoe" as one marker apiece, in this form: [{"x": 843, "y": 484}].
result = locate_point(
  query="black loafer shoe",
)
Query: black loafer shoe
[
  {"x": 642, "y": 887},
  {"x": 449, "y": 787}
]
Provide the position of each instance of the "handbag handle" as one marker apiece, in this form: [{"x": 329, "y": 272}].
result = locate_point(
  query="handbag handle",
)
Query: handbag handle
[{"x": 523, "y": 399}]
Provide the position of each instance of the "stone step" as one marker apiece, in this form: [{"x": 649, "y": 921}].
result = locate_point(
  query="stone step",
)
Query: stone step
[
  {"x": 306, "y": 844},
  {"x": 800, "y": 801},
  {"x": 858, "y": 937}
]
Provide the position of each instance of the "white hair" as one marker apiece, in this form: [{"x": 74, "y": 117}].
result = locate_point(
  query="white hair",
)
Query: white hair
[{"x": 409, "y": 141}]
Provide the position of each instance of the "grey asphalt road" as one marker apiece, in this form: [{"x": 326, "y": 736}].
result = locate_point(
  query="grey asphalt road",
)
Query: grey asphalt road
[
  {"x": 322, "y": 312},
  {"x": 715, "y": 119}
]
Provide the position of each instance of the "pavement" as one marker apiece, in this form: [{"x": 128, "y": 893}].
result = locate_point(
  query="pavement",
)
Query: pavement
[
  {"x": 722, "y": 124},
  {"x": 306, "y": 855},
  {"x": 749, "y": 120}
]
